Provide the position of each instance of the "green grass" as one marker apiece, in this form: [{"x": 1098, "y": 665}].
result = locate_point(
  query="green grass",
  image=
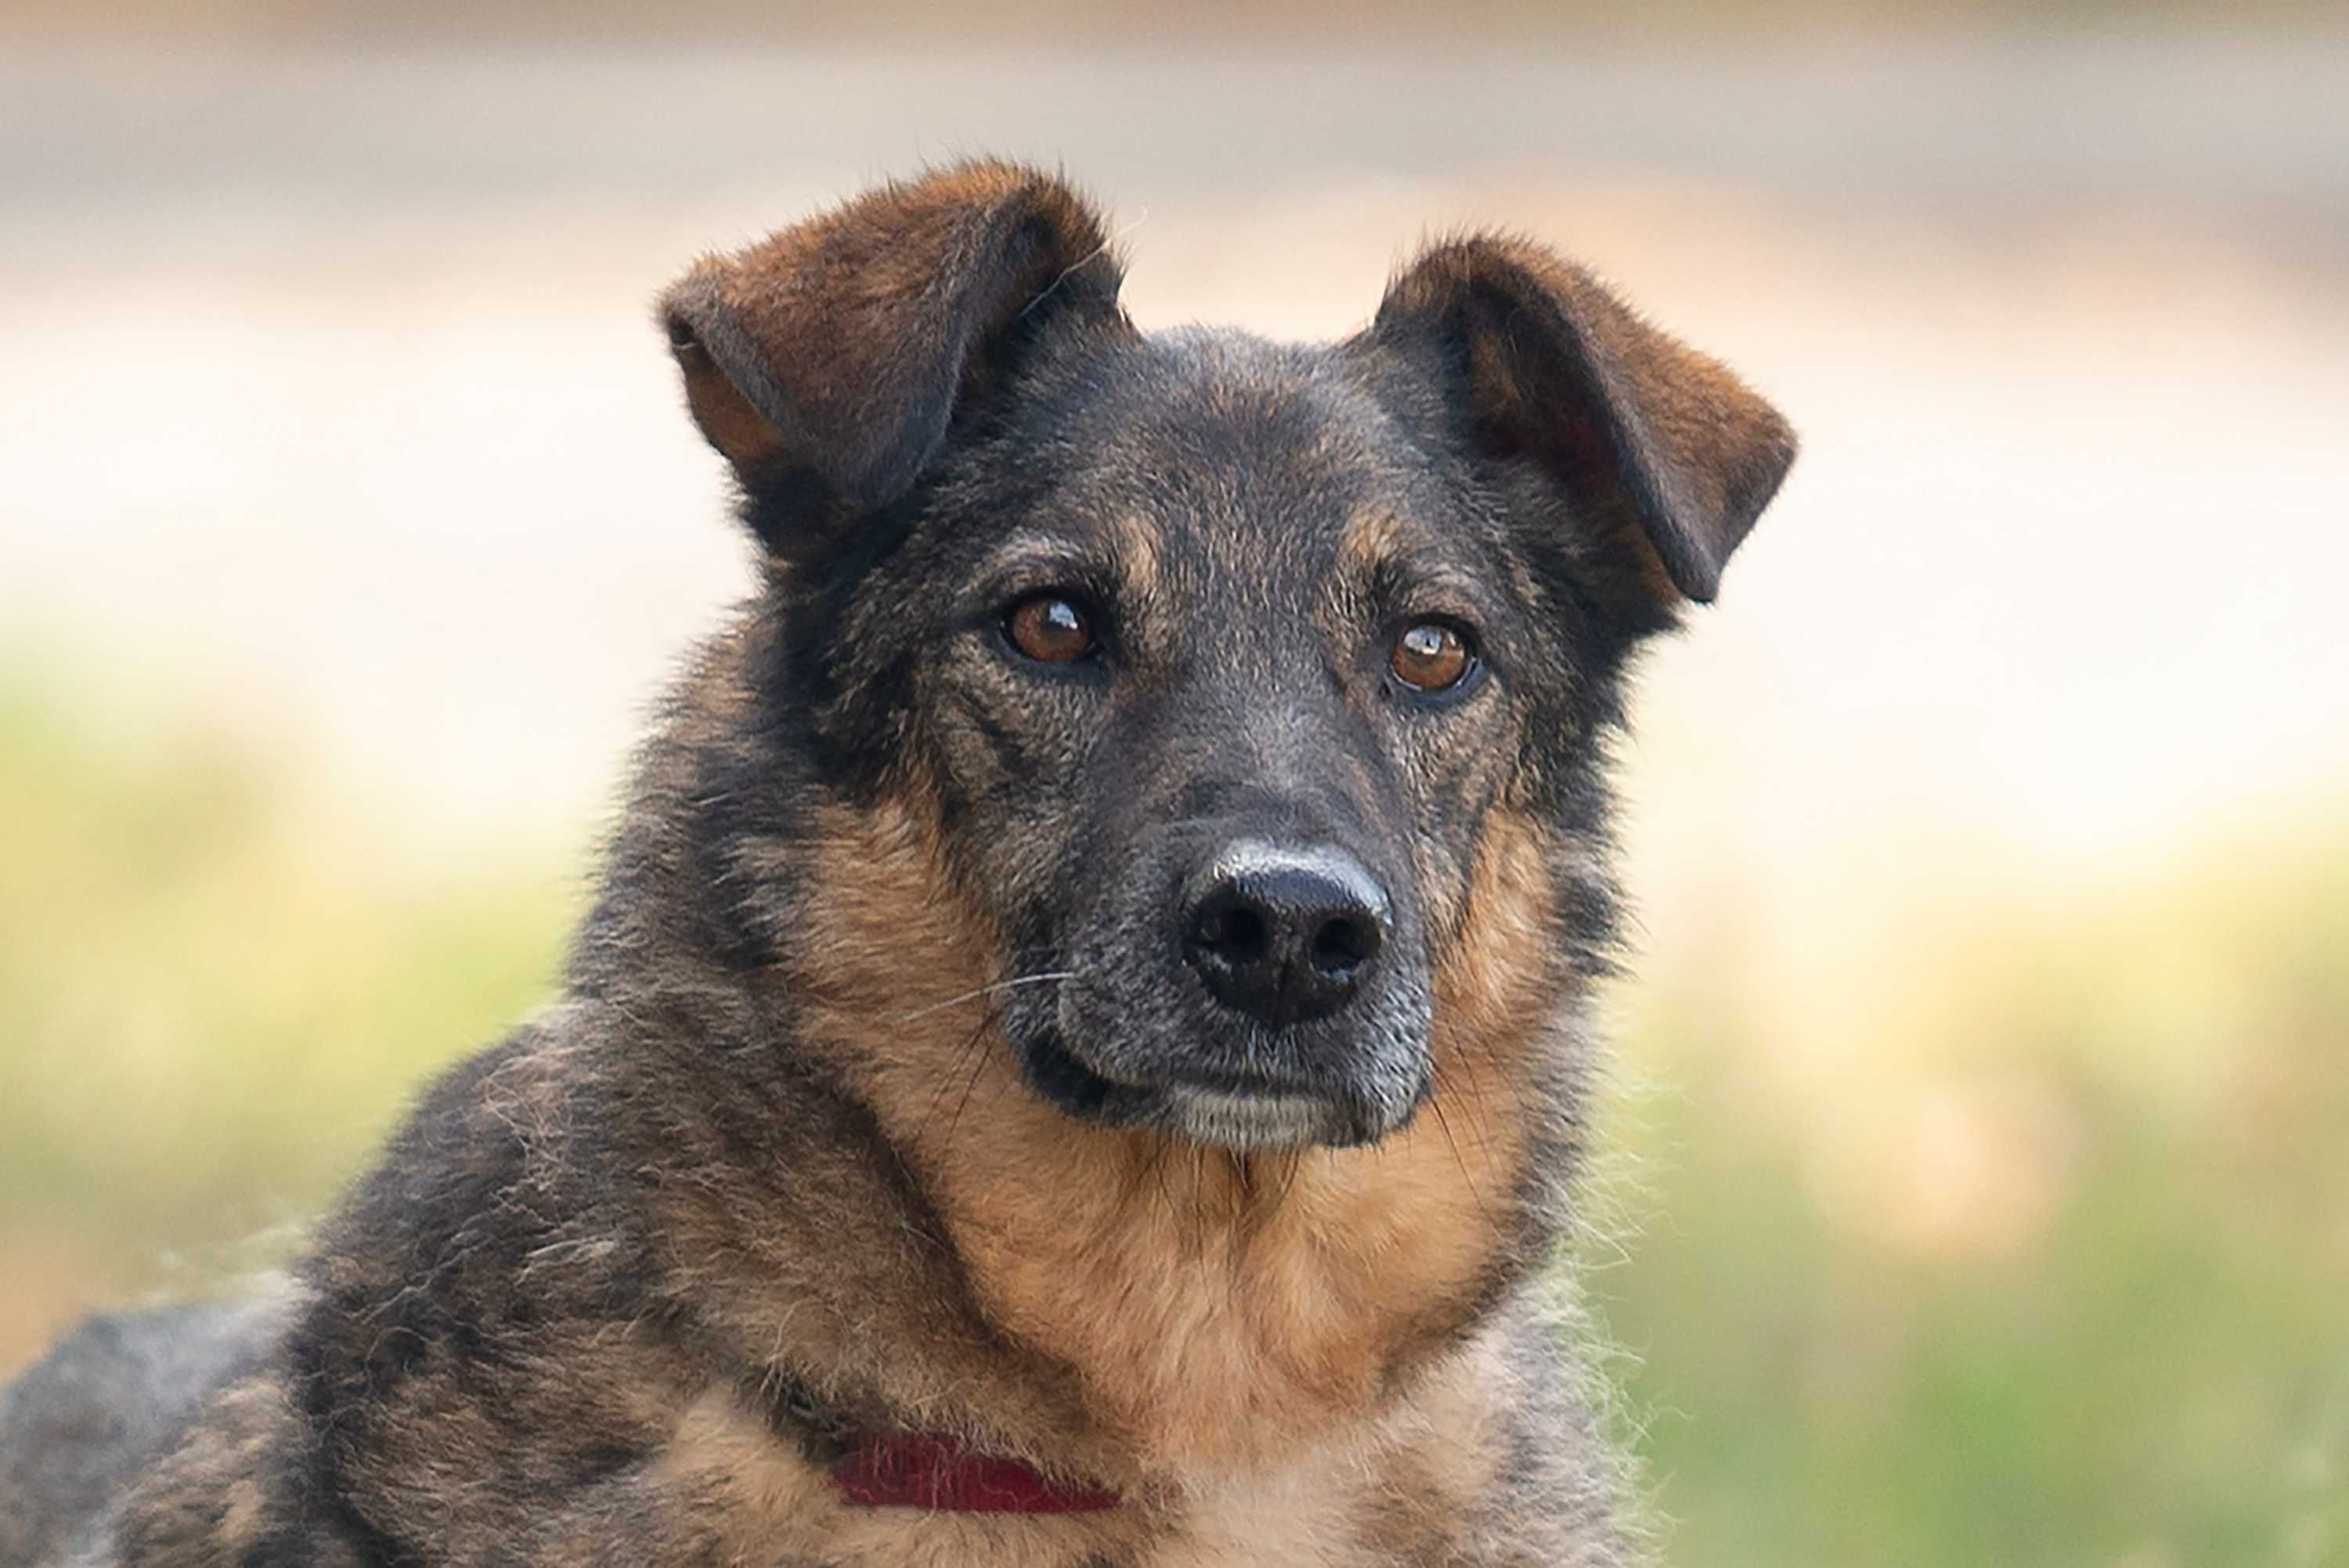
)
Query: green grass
[
  {"x": 2086, "y": 1300},
  {"x": 212, "y": 1003},
  {"x": 2029, "y": 1248}
]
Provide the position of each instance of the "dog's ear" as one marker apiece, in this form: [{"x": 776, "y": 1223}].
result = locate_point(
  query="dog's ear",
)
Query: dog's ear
[
  {"x": 828, "y": 361},
  {"x": 1659, "y": 448}
]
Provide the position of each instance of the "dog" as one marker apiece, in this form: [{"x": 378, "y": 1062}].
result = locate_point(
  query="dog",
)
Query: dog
[{"x": 1079, "y": 1057}]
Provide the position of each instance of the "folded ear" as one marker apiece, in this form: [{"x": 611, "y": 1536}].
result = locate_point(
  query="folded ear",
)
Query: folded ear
[
  {"x": 1638, "y": 427},
  {"x": 837, "y": 351}
]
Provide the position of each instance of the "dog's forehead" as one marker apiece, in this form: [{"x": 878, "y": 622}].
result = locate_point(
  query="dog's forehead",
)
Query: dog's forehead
[{"x": 1249, "y": 455}]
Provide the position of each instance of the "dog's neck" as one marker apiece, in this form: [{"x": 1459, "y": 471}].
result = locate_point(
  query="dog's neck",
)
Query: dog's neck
[
  {"x": 934, "y": 1471},
  {"x": 1108, "y": 1302},
  {"x": 1213, "y": 1310}
]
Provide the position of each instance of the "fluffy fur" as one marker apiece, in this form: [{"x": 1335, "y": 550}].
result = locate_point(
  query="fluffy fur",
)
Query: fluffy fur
[{"x": 863, "y": 1109}]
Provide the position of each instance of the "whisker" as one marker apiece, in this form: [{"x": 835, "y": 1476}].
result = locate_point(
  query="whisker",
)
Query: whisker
[
  {"x": 1039, "y": 979},
  {"x": 977, "y": 1067},
  {"x": 1291, "y": 1167},
  {"x": 1435, "y": 1104},
  {"x": 972, "y": 1050},
  {"x": 1157, "y": 1170},
  {"x": 1099, "y": 249},
  {"x": 1467, "y": 1075}
]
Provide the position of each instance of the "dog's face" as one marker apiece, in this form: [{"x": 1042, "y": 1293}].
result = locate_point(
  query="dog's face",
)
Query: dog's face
[
  {"x": 1213, "y": 656},
  {"x": 1216, "y": 676}
]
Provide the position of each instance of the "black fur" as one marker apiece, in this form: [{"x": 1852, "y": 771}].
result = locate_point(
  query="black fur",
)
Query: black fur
[{"x": 885, "y": 1092}]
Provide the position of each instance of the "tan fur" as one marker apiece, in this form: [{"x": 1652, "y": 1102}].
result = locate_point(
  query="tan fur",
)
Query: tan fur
[
  {"x": 814, "y": 345},
  {"x": 774, "y": 1503},
  {"x": 725, "y": 415},
  {"x": 771, "y": 1175},
  {"x": 1681, "y": 454},
  {"x": 1492, "y": 978},
  {"x": 1138, "y": 557},
  {"x": 207, "y": 1495},
  {"x": 1395, "y": 1488},
  {"x": 1370, "y": 536},
  {"x": 1220, "y": 1312}
]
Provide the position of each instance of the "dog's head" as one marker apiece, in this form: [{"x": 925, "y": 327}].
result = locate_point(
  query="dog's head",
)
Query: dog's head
[{"x": 1214, "y": 659}]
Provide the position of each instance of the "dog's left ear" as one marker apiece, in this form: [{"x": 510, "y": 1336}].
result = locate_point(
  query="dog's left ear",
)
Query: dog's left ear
[
  {"x": 839, "y": 350},
  {"x": 1652, "y": 442}
]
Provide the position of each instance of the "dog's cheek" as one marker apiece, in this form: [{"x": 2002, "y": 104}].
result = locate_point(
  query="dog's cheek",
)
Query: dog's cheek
[
  {"x": 999, "y": 770},
  {"x": 1459, "y": 783},
  {"x": 894, "y": 924},
  {"x": 1497, "y": 976}
]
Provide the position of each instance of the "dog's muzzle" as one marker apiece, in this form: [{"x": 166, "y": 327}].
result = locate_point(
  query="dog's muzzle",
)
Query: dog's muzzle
[
  {"x": 1284, "y": 935},
  {"x": 1264, "y": 999}
]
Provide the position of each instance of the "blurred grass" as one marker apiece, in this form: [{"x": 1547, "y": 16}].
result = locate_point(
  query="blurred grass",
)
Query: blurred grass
[
  {"x": 2048, "y": 1265},
  {"x": 212, "y": 1002},
  {"x": 2040, "y": 1256}
]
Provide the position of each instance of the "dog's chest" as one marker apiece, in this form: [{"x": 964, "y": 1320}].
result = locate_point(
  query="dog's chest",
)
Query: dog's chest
[
  {"x": 1329, "y": 1524},
  {"x": 1395, "y": 1493}
]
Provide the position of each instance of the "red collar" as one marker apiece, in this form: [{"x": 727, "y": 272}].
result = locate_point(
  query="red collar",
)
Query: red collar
[{"x": 910, "y": 1469}]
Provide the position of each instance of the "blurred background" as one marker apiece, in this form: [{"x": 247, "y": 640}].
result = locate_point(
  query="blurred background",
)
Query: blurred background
[{"x": 1975, "y": 1183}]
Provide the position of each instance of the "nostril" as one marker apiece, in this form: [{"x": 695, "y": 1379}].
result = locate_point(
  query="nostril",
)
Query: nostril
[
  {"x": 1344, "y": 944},
  {"x": 1233, "y": 932},
  {"x": 1286, "y": 936},
  {"x": 1244, "y": 934}
]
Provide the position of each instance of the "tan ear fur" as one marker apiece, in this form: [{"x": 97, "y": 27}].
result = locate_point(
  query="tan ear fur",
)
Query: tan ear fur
[
  {"x": 841, "y": 346},
  {"x": 1630, "y": 418}
]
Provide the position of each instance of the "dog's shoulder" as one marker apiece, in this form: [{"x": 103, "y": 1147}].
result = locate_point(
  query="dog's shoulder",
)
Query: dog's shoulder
[{"x": 473, "y": 1311}]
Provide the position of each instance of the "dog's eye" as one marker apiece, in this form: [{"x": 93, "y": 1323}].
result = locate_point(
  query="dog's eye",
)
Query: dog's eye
[
  {"x": 1050, "y": 629},
  {"x": 1432, "y": 657}
]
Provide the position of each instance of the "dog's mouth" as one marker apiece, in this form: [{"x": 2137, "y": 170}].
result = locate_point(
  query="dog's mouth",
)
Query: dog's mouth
[
  {"x": 1224, "y": 1107},
  {"x": 1262, "y": 1118}
]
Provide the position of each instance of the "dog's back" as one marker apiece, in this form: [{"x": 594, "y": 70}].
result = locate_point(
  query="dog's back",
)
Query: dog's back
[{"x": 77, "y": 1428}]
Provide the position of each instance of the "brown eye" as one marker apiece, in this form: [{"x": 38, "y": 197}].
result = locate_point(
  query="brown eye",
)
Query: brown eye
[
  {"x": 1431, "y": 657},
  {"x": 1048, "y": 629}
]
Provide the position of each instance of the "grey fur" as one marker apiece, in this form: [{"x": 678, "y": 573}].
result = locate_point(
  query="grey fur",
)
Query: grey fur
[
  {"x": 872, "y": 1102},
  {"x": 77, "y": 1427}
]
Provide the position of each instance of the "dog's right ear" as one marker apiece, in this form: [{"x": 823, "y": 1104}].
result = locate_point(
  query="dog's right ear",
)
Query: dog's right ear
[{"x": 827, "y": 363}]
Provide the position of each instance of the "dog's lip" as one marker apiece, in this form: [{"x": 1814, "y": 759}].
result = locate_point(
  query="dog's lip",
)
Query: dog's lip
[
  {"x": 1240, "y": 1084},
  {"x": 1235, "y": 1107},
  {"x": 1234, "y": 1085},
  {"x": 1074, "y": 1075},
  {"x": 1253, "y": 1120},
  {"x": 1068, "y": 1078}
]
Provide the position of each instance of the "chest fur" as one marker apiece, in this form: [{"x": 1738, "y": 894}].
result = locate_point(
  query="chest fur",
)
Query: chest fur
[
  {"x": 1220, "y": 1313},
  {"x": 1402, "y": 1489}
]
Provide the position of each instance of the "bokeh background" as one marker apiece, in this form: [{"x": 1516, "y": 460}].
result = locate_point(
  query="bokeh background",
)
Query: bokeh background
[{"x": 1975, "y": 1184}]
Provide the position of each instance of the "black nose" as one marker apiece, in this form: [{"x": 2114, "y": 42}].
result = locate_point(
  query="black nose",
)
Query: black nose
[{"x": 1284, "y": 935}]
